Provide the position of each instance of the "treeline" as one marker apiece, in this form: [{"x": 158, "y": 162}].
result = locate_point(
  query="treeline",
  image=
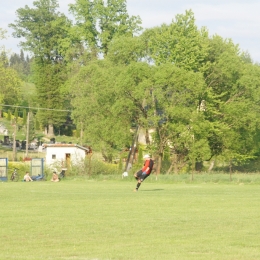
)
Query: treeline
[
  {"x": 18, "y": 62},
  {"x": 21, "y": 64},
  {"x": 194, "y": 97}
]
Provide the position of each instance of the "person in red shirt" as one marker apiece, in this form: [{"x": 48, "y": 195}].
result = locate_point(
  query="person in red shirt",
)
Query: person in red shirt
[{"x": 141, "y": 175}]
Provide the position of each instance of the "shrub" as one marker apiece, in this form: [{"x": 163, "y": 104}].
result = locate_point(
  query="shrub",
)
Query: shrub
[
  {"x": 22, "y": 168},
  {"x": 99, "y": 167}
]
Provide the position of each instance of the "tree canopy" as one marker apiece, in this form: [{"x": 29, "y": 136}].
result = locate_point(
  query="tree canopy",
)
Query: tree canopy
[{"x": 193, "y": 96}]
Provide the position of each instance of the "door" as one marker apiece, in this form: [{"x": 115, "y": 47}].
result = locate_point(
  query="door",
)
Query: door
[{"x": 67, "y": 160}]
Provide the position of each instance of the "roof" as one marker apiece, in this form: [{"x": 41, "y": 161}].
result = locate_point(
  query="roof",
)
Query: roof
[{"x": 67, "y": 145}]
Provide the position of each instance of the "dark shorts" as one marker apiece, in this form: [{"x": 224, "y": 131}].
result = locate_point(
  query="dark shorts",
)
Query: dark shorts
[{"x": 140, "y": 176}]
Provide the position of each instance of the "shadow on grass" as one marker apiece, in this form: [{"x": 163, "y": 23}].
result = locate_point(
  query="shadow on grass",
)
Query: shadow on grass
[{"x": 153, "y": 190}]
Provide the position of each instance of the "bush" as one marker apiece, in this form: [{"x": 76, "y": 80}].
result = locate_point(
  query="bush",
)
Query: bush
[
  {"x": 99, "y": 167},
  {"x": 22, "y": 168}
]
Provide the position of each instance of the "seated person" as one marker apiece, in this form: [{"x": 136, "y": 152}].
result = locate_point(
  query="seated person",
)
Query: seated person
[
  {"x": 27, "y": 177},
  {"x": 55, "y": 177}
]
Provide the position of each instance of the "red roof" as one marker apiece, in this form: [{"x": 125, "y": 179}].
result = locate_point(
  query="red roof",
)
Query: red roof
[{"x": 67, "y": 145}]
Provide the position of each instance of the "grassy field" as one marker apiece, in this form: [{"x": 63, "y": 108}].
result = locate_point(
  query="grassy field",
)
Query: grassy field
[{"x": 104, "y": 219}]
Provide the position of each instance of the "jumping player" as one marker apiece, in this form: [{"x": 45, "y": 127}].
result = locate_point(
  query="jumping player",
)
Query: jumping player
[{"x": 141, "y": 175}]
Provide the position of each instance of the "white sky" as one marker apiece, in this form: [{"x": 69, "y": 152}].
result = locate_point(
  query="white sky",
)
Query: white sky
[{"x": 235, "y": 19}]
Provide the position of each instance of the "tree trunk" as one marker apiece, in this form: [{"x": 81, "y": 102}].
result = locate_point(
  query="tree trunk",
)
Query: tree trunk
[
  {"x": 171, "y": 166},
  {"x": 89, "y": 164},
  {"x": 81, "y": 133},
  {"x": 230, "y": 170},
  {"x": 175, "y": 163},
  {"x": 159, "y": 164},
  {"x": 147, "y": 138},
  {"x": 50, "y": 130},
  {"x": 192, "y": 170},
  {"x": 212, "y": 163},
  {"x": 132, "y": 150}
]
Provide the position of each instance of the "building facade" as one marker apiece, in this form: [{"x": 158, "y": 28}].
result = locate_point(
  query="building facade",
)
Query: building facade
[{"x": 63, "y": 155}]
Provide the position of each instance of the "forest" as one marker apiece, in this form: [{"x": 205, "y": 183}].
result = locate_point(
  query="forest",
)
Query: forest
[{"x": 194, "y": 97}]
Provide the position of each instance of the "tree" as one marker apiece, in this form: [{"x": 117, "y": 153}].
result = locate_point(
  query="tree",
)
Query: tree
[
  {"x": 95, "y": 94},
  {"x": 198, "y": 94},
  {"x": 230, "y": 100},
  {"x": 4, "y": 58},
  {"x": 20, "y": 64},
  {"x": 10, "y": 85},
  {"x": 180, "y": 43},
  {"x": 99, "y": 22},
  {"x": 113, "y": 20},
  {"x": 177, "y": 122},
  {"x": 44, "y": 30},
  {"x": 85, "y": 29},
  {"x": 2, "y": 36},
  {"x": 48, "y": 78},
  {"x": 125, "y": 49}
]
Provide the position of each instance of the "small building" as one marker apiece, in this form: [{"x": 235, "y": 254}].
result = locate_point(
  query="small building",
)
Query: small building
[{"x": 64, "y": 155}]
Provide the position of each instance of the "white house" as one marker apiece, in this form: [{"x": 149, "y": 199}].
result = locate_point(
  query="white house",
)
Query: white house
[{"x": 63, "y": 155}]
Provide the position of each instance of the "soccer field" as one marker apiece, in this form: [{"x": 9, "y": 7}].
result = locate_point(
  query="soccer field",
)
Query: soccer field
[{"x": 101, "y": 220}]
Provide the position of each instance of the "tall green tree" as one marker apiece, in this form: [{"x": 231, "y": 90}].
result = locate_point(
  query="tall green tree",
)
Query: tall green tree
[
  {"x": 85, "y": 29},
  {"x": 45, "y": 33},
  {"x": 177, "y": 122},
  {"x": 98, "y": 22},
  {"x": 180, "y": 42},
  {"x": 96, "y": 111},
  {"x": 114, "y": 20},
  {"x": 42, "y": 28},
  {"x": 230, "y": 100}
]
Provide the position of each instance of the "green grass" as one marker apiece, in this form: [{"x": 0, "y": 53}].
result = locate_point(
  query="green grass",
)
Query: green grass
[{"x": 105, "y": 219}]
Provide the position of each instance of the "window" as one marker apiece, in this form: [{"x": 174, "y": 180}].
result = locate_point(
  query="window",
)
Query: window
[{"x": 53, "y": 156}]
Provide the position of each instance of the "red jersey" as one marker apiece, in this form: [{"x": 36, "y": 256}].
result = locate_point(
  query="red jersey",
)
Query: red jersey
[{"x": 148, "y": 166}]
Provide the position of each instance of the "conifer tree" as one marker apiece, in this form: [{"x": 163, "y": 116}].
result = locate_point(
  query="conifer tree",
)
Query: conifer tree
[{"x": 44, "y": 29}]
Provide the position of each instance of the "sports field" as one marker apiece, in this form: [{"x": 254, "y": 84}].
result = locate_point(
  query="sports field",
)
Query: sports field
[{"x": 101, "y": 220}]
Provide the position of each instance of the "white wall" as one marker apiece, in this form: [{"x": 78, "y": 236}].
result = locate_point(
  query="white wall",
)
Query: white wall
[{"x": 76, "y": 155}]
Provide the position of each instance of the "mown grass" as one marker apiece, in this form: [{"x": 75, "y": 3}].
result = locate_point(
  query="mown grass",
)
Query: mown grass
[{"x": 81, "y": 218}]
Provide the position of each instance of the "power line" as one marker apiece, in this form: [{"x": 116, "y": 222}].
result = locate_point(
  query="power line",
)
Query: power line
[{"x": 37, "y": 108}]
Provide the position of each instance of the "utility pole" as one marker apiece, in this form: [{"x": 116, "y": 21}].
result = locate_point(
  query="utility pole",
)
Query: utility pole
[
  {"x": 14, "y": 141},
  {"x": 27, "y": 135},
  {"x": 81, "y": 133}
]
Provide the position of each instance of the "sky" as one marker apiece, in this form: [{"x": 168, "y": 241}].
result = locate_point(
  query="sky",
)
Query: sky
[{"x": 235, "y": 19}]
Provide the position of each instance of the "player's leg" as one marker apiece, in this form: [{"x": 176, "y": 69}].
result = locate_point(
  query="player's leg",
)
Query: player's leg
[
  {"x": 138, "y": 175},
  {"x": 140, "y": 180},
  {"x": 138, "y": 185}
]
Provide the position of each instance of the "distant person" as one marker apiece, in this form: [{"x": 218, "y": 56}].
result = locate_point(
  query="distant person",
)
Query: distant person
[
  {"x": 141, "y": 175},
  {"x": 55, "y": 177},
  {"x": 27, "y": 177}
]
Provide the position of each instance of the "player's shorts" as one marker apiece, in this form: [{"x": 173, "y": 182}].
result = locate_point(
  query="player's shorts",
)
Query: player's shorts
[{"x": 140, "y": 176}]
